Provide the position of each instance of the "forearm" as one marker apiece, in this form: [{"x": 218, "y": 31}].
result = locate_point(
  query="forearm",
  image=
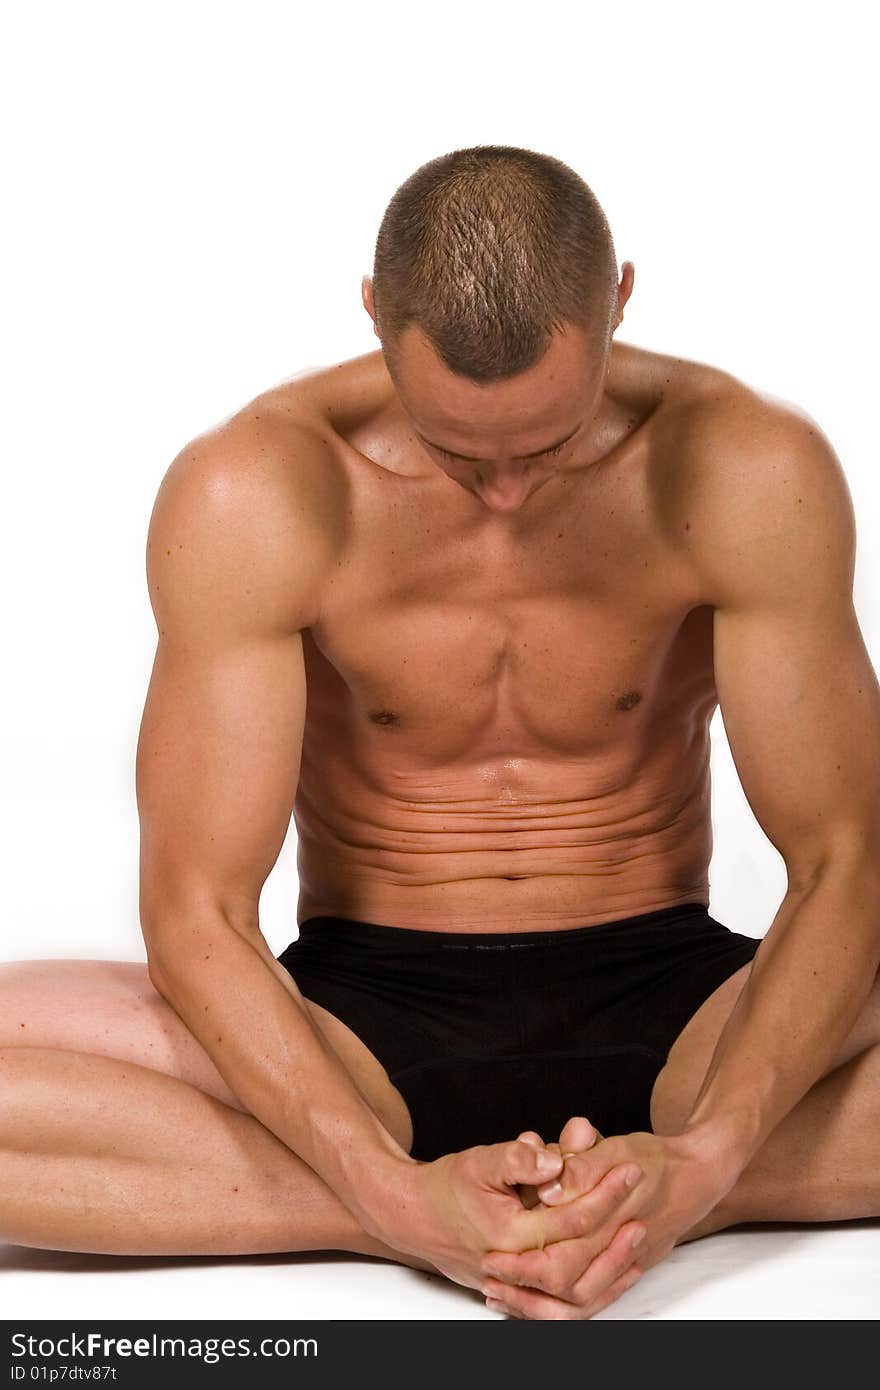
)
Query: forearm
[
  {"x": 808, "y": 984},
  {"x": 247, "y": 1013}
]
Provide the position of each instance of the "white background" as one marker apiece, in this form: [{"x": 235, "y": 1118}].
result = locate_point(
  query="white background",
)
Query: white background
[{"x": 192, "y": 196}]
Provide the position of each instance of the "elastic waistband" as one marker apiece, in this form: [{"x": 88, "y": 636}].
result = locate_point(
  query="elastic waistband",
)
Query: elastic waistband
[{"x": 417, "y": 939}]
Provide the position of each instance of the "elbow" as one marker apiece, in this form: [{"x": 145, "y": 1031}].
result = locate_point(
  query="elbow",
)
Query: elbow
[
  {"x": 853, "y": 854},
  {"x": 166, "y": 966},
  {"x": 161, "y": 932},
  {"x": 156, "y": 961},
  {"x": 178, "y": 933}
]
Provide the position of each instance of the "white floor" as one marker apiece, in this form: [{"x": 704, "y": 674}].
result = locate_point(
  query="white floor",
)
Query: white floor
[{"x": 757, "y": 1272}]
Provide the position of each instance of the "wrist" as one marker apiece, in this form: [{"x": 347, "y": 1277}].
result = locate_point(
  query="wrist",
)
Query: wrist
[
  {"x": 384, "y": 1197},
  {"x": 717, "y": 1151}
]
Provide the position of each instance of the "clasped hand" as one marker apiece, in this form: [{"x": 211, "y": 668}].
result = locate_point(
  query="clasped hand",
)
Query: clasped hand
[
  {"x": 625, "y": 1229},
  {"x": 562, "y": 1243}
]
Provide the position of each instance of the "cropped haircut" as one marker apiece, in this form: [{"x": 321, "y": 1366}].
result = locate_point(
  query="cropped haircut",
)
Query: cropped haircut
[{"x": 488, "y": 250}]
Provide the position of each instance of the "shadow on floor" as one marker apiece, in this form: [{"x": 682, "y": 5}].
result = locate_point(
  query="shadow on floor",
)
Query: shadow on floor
[{"x": 16, "y": 1259}]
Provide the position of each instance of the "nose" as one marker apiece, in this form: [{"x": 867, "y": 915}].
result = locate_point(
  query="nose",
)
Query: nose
[{"x": 504, "y": 494}]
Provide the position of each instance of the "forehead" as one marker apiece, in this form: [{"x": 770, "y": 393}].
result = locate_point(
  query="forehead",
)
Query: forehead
[{"x": 540, "y": 397}]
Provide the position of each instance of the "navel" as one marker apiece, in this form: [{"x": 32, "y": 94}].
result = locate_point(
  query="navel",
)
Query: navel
[{"x": 385, "y": 716}]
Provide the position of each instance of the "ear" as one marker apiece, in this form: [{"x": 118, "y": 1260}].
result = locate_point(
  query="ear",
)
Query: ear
[
  {"x": 367, "y": 297},
  {"x": 625, "y": 289}
]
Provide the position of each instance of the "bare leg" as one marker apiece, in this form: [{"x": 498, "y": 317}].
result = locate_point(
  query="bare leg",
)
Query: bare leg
[
  {"x": 821, "y": 1163},
  {"x": 98, "y": 1154},
  {"x": 108, "y": 1156}
]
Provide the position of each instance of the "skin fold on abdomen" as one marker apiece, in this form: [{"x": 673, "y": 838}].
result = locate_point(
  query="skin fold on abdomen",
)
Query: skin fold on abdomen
[{"x": 543, "y": 843}]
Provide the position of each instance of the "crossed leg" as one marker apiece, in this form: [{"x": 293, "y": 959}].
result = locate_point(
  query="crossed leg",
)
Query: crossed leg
[{"x": 118, "y": 1135}]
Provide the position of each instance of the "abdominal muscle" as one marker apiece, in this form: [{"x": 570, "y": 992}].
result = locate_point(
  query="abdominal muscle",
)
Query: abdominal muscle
[{"x": 503, "y": 844}]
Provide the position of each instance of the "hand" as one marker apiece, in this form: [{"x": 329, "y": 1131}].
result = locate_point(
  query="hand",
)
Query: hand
[
  {"x": 456, "y": 1209},
  {"x": 579, "y": 1135},
  {"x": 580, "y": 1276}
]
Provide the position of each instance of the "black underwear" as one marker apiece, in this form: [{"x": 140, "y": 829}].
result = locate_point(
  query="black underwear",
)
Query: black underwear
[{"x": 487, "y": 1034}]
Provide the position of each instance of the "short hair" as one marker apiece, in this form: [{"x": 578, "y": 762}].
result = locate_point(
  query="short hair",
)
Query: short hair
[{"x": 488, "y": 250}]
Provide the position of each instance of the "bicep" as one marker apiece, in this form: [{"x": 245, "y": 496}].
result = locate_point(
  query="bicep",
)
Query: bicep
[
  {"x": 798, "y": 694},
  {"x": 234, "y": 568},
  {"x": 801, "y": 710},
  {"x": 217, "y": 768}
]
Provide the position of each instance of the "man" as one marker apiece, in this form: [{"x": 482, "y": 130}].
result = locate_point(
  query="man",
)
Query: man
[{"x": 465, "y": 606}]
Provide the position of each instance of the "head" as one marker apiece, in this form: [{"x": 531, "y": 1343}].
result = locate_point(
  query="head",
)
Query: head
[{"x": 495, "y": 297}]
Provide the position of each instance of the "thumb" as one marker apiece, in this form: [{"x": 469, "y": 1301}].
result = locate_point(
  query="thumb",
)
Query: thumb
[
  {"x": 577, "y": 1135},
  {"x": 521, "y": 1162}
]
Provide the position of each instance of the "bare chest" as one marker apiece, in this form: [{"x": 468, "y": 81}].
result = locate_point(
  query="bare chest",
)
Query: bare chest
[{"x": 449, "y": 641}]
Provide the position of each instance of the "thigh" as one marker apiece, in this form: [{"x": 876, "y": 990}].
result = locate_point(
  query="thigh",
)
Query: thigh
[
  {"x": 149, "y": 1165},
  {"x": 110, "y": 1008},
  {"x": 678, "y": 1084}
]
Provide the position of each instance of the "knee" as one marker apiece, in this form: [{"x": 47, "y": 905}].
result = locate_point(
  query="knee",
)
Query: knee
[
  {"x": 18, "y": 982},
  {"x": 71, "y": 1004},
  {"x": 36, "y": 1000}
]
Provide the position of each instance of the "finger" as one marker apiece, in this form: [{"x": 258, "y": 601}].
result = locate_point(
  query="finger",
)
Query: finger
[
  {"x": 530, "y": 1303},
  {"x": 608, "y": 1267},
  {"x": 586, "y": 1215},
  {"x": 570, "y": 1183},
  {"x": 519, "y": 1162},
  {"x": 556, "y": 1267},
  {"x": 577, "y": 1135},
  {"x": 528, "y": 1192},
  {"x": 546, "y": 1271},
  {"x": 529, "y": 1136},
  {"x": 626, "y": 1281},
  {"x": 495, "y": 1306},
  {"x": 525, "y": 1303},
  {"x": 583, "y": 1172}
]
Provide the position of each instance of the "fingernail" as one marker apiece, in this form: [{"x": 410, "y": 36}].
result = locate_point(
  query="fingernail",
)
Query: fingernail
[
  {"x": 492, "y": 1272},
  {"x": 546, "y": 1162},
  {"x": 632, "y": 1176},
  {"x": 551, "y": 1193},
  {"x": 637, "y": 1239},
  {"x": 495, "y": 1306}
]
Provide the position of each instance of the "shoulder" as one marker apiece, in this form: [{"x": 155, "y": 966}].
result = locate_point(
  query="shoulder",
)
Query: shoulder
[
  {"x": 251, "y": 514},
  {"x": 756, "y": 495}
]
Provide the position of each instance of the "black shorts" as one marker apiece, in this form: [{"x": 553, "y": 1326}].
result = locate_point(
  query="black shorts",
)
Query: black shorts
[{"x": 488, "y": 1034}]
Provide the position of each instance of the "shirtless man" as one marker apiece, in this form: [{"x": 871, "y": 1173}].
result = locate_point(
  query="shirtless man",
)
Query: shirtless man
[{"x": 514, "y": 590}]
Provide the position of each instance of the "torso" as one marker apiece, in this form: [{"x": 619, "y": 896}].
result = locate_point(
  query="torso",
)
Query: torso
[{"x": 508, "y": 716}]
